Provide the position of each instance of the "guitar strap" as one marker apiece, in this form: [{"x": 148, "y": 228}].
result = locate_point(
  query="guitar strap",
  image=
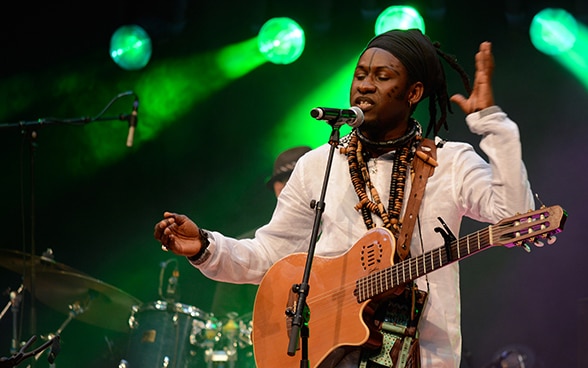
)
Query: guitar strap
[
  {"x": 423, "y": 167},
  {"x": 400, "y": 342}
]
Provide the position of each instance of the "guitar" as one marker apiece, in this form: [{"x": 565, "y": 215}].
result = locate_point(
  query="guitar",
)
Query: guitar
[{"x": 341, "y": 288}]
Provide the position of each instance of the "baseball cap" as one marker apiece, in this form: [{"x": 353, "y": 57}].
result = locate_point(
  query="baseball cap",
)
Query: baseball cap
[{"x": 284, "y": 164}]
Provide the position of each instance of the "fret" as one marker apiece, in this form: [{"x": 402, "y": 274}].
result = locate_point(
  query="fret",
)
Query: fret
[
  {"x": 470, "y": 251},
  {"x": 409, "y": 269},
  {"x": 490, "y": 235},
  {"x": 440, "y": 257},
  {"x": 458, "y": 250}
]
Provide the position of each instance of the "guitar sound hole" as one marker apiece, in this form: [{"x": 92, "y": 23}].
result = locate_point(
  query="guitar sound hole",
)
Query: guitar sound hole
[{"x": 371, "y": 255}]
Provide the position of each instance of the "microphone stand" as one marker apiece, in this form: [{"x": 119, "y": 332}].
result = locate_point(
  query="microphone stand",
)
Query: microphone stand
[
  {"x": 29, "y": 128},
  {"x": 300, "y": 317}
]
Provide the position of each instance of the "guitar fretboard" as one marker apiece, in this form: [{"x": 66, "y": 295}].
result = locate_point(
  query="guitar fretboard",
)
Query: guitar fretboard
[{"x": 379, "y": 282}]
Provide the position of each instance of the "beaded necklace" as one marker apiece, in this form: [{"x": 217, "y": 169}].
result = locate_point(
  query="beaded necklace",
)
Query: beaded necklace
[{"x": 405, "y": 147}]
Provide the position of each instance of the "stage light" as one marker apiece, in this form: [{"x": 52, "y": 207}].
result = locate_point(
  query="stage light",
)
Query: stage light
[
  {"x": 553, "y": 31},
  {"x": 130, "y": 47},
  {"x": 399, "y": 17},
  {"x": 281, "y": 40},
  {"x": 559, "y": 35}
]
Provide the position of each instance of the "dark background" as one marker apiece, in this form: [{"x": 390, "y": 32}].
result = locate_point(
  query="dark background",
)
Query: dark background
[{"x": 213, "y": 165}]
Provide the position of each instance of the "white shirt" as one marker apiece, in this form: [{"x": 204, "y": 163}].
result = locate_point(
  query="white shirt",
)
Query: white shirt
[{"x": 463, "y": 184}]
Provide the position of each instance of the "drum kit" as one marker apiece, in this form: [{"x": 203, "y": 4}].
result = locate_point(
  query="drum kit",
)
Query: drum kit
[{"x": 162, "y": 333}]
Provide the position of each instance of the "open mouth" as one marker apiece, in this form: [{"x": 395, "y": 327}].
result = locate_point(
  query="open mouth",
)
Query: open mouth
[{"x": 364, "y": 103}]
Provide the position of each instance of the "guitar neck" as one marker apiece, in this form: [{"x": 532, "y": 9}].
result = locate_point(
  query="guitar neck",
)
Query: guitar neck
[{"x": 412, "y": 268}]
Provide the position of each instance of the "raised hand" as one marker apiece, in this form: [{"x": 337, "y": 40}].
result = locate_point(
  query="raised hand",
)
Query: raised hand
[{"x": 482, "y": 95}]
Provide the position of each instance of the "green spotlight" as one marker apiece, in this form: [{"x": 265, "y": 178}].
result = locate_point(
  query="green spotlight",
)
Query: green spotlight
[
  {"x": 281, "y": 40},
  {"x": 553, "y": 31},
  {"x": 130, "y": 47},
  {"x": 399, "y": 17}
]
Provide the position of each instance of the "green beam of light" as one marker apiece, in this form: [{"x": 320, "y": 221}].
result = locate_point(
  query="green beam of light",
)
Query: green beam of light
[
  {"x": 576, "y": 58},
  {"x": 299, "y": 128},
  {"x": 171, "y": 88},
  {"x": 167, "y": 90}
]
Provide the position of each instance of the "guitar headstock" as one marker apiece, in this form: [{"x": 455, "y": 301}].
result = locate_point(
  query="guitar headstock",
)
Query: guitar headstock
[{"x": 533, "y": 227}]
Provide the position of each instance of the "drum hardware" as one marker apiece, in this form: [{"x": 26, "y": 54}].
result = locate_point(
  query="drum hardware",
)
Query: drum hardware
[
  {"x": 85, "y": 298},
  {"x": 206, "y": 334},
  {"x": 161, "y": 335},
  {"x": 17, "y": 358},
  {"x": 66, "y": 290},
  {"x": 513, "y": 356},
  {"x": 223, "y": 342},
  {"x": 14, "y": 305},
  {"x": 75, "y": 310},
  {"x": 21, "y": 263},
  {"x": 228, "y": 352},
  {"x": 171, "y": 290}
]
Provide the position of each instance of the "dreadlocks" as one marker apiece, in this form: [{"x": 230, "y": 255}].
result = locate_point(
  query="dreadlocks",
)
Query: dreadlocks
[{"x": 421, "y": 58}]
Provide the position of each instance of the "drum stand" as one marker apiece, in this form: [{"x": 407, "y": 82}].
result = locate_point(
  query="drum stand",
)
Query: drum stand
[
  {"x": 17, "y": 358},
  {"x": 13, "y": 304},
  {"x": 29, "y": 128},
  {"x": 75, "y": 310}
]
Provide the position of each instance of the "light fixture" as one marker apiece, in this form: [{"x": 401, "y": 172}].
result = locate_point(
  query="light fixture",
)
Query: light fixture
[
  {"x": 281, "y": 40},
  {"x": 399, "y": 17},
  {"x": 130, "y": 47},
  {"x": 553, "y": 31}
]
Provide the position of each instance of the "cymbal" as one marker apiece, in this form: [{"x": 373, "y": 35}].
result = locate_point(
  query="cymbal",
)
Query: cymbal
[
  {"x": 20, "y": 262},
  {"x": 93, "y": 301}
]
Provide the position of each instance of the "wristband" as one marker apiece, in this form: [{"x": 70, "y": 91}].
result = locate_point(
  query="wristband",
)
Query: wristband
[{"x": 198, "y": 257}]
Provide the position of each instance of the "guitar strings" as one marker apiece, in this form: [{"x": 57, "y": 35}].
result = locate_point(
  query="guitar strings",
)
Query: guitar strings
[{"x": 398, "y": 274}]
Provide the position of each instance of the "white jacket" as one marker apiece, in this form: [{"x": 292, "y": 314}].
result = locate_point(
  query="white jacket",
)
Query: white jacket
[{"x": 464, "y": 184}]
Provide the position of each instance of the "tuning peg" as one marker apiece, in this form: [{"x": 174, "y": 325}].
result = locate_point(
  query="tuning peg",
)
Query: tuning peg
[
  {"x": 538, "y": 243},
  {"x": 551, "y": 239},
  {"x": 526, "y": 247}
]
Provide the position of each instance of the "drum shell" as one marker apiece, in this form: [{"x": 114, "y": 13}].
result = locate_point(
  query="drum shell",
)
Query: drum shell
[{"x": 160, "y": 334}]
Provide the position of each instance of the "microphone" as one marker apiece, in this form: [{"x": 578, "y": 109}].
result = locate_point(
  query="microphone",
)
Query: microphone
[
  {"x": 337, "y": 117},
  {"x": 55, "y": 349},
  {"x": 133, "y": 123},
  {"x": 172, "y": 284}
]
